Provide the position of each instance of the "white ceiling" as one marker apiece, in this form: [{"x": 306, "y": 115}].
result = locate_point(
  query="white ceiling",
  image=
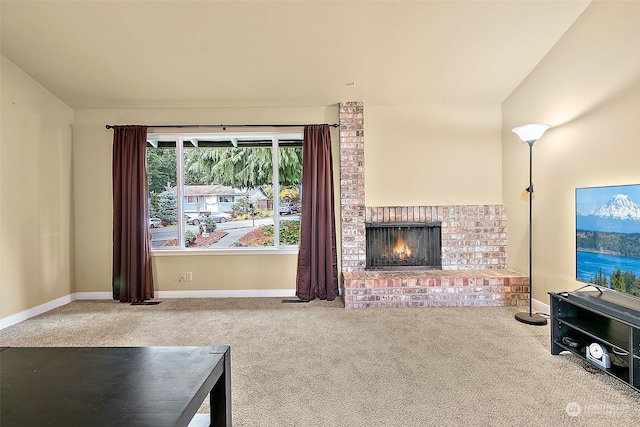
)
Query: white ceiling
[{"x": 156, "y": 53}]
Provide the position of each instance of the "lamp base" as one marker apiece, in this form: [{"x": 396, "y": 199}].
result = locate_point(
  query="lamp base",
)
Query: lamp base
[{"x": 531, "y": 319}]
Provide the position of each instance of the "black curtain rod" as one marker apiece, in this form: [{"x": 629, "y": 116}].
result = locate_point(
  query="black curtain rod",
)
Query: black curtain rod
[{"x": 224, "y": 127}]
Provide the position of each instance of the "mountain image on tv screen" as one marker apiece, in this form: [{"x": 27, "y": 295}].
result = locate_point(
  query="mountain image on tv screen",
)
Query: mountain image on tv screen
[{"x": 608, "y": 237}]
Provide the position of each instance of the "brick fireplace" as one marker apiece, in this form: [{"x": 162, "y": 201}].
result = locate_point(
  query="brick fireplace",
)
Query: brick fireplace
[{"x": 473, "y": 243}]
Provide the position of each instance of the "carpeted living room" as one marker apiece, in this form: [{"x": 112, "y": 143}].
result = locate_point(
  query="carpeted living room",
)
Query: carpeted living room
[
  {"x": 470, "y": 317},
  {"x": 318, "y": 364}
]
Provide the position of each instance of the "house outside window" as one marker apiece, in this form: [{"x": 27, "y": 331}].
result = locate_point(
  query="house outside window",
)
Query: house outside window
[{"x": 223, "y": 191}]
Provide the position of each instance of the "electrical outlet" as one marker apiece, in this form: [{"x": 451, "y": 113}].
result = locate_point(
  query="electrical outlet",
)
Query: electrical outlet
[
  {"x": 189, "y": 276},
  {"x": 182, "y": 277}
]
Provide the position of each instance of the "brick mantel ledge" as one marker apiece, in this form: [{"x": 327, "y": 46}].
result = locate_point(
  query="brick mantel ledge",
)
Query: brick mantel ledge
[{"x": 435, "y": 288}]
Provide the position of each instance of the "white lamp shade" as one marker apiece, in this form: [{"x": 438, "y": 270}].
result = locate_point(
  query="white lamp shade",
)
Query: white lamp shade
[{"x": 530, "y": 133}]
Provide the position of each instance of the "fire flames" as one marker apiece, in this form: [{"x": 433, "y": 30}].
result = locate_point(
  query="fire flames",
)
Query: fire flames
[{"x": 401, "y": 249}]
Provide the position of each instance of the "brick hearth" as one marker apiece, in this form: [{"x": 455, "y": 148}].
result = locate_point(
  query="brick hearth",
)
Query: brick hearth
[
  {"x": 473, "y": 243},
  {"x": 435, "y": 288}
]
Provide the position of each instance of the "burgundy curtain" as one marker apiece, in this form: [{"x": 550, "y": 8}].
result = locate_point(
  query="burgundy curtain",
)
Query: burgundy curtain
[
  {"x": 132, "y": 279},
  {"x": 317, "y": 258}
]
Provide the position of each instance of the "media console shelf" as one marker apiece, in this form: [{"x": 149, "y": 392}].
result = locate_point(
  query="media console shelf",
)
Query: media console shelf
[{"x": 600, "y": 326}]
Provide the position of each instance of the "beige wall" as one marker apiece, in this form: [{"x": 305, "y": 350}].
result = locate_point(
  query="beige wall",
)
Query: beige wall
[
  {"x": 93, "y": 207},
  {"x": 36, "y": 193},
  {"x": 432, "y": 155},
  {"x": 588, "y": 88}
]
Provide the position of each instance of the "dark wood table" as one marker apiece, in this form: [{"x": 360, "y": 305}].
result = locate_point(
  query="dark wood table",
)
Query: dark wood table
[{"x": 113, "y": 386}]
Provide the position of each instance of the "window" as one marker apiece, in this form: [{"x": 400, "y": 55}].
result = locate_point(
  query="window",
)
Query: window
[{"x": 222, "y": 191}]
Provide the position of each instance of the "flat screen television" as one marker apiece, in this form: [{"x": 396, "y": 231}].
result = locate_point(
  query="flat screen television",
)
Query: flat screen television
[{"x": 608, "y": 237}]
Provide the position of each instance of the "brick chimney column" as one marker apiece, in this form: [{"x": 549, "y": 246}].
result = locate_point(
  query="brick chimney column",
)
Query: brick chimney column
[{"x": 352, "y": 208}]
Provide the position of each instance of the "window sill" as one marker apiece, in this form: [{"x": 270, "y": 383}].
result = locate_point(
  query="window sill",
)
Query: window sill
[{"x": 226, "y": 252}]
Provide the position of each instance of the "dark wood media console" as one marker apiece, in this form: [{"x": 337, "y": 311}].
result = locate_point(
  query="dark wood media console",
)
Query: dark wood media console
[{"x": 600, "y": 326}]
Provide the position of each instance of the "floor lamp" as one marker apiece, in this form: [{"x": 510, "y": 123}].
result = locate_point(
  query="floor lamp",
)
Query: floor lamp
[{"x": 530, "y": 134}]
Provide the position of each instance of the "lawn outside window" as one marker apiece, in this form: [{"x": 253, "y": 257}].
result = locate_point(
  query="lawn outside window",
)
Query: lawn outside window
[{"x": 220, "y": 192}]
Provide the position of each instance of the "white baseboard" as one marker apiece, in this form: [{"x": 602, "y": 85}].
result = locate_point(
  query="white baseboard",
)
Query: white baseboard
[
  {"x": 249, "y": 293},
  {"x": 540, "y": 307},
  {"x": 35, "y": 311},
  {"x": 92, "y": 295},
  {"x": 43, "y": 308}
]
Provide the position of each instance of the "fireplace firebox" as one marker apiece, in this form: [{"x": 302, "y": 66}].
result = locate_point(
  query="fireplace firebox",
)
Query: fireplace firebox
[{"x": 403, "y": 246}]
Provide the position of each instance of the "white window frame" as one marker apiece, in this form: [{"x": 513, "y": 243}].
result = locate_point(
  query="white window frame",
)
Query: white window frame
[{"x": 180, "y": 139}]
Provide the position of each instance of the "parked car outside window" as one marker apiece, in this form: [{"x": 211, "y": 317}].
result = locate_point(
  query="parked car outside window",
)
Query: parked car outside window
[
  {"x": 288, "y": 208},
  {"x": 216, "y": 216},
  {"x": 221, "y": 216},
  {"x": 192, "y": 220},
  {"x": 284, "y": 209}
]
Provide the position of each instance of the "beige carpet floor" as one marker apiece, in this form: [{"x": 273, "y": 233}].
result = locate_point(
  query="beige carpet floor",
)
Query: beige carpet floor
[{"x": 318, "y": 364}]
